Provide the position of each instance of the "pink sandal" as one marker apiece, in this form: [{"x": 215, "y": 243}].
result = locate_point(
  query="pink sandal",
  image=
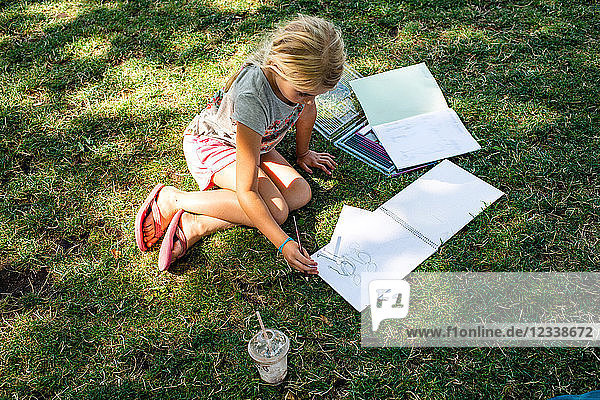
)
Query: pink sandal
[
  {"x": 149, "y": 206},
  {"x": 174, "y": 233}
]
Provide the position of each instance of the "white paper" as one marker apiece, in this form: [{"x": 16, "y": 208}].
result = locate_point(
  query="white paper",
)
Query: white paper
[
  {"x": 367, "y": 242},
  {"x": 410, "y": 116},
  {"x": 425, "y": 138}
]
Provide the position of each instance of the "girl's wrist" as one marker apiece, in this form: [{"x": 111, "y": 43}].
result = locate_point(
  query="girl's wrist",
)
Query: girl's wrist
[
  {"x": 303, "y": 154},
  {"x": 289, "y": 239}
]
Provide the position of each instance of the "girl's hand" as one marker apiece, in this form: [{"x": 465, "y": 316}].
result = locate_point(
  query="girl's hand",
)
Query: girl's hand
[
  {"x": 300, "y": 261},
  {"x": 322, "y": 161}
]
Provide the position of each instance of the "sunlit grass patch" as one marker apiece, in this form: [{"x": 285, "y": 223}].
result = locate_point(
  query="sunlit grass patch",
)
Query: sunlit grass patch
[
  {"x": 238, "y": 5},
  {"x": 459, "y": 34},
  {"x": 139, "y": 88},
  {"x": 56, "y": 10},
  {"x": 190, "y": 42},
  {"x": 94, "y": 47}
]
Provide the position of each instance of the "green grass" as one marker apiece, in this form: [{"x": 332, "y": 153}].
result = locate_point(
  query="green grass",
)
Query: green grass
[{"x": 94, "y": 96}]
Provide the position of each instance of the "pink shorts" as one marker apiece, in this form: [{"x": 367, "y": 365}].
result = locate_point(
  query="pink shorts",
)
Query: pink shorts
[{"x": 206, "y": 156}]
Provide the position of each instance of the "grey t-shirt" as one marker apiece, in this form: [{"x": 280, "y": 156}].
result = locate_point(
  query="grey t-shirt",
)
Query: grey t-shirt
[{"x": 251, "y": 101}]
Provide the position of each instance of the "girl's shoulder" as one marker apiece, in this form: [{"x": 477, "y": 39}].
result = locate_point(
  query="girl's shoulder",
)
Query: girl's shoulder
[{"x": 251, "y": 79}]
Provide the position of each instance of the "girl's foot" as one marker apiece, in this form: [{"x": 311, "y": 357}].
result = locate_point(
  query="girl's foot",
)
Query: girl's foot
[
  {"x": 183, "y": 232},
  {"x": 154, "y": 225},
  {"x": 186, "y": 224}
]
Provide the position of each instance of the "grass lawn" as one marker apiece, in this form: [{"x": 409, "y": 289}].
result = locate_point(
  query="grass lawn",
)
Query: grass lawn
[{"x": 94, "y": 97}]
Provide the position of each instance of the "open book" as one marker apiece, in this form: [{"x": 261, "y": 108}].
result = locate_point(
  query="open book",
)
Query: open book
[
  {"x": 404, "y": 231},
  {"x": 409, "y": 115}
]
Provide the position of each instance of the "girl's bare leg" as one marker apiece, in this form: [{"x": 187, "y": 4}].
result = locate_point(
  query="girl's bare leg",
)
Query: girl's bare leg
[
  {"x": 280, "y": 186},
  {"x": 196, "y": 226},
  {"x": 171, "y": 199},
  {"x": 214, "y": 210}
]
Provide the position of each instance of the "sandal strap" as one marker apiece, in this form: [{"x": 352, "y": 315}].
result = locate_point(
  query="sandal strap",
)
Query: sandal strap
[
  {"x": 181, "y": 237},
  {"x": 157, "y": 217}
]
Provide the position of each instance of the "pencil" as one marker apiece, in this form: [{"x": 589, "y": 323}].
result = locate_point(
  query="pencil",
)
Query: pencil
[
  {"x": 370, "y": 149},
  {"x": 372, "y": 144},
  {"x": 368, "y": 152},
  {"x": 297, "y": 235}
]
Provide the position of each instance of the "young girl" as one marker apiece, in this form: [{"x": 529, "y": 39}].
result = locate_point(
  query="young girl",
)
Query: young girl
[{"x": 231, "y": 144}]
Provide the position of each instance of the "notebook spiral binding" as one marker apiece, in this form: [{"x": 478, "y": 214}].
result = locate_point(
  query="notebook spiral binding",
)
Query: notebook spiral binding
[{"x": 409, "y": 228}]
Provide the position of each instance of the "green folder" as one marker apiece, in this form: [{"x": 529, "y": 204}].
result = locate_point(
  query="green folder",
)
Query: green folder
[{"x": 398, "y": 94}]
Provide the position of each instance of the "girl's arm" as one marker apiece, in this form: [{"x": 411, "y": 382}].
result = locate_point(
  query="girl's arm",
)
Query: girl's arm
[
  {"x": 305, "y": 157},
  {"x": 247, "y": 164}
]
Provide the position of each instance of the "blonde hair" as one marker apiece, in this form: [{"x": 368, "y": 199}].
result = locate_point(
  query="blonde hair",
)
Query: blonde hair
[{"x": 307, "y": 51}]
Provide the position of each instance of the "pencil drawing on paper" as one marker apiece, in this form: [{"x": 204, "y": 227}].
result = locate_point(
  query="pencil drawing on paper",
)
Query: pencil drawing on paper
[{"x": 351, "y": 263}]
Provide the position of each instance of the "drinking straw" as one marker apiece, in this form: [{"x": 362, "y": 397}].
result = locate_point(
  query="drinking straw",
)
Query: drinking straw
[
  {"x": 264, "y": 332},
  {"x": 262, "y": 326}
]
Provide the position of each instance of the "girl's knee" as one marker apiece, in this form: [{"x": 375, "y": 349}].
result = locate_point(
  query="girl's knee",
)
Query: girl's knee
[
  {"x": 275, "y": 200},
  {"x": 280, "y": 212},
  {"x": 298, "y": 194}
]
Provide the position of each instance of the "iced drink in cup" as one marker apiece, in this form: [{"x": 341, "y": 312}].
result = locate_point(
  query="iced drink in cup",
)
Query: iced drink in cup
[{"x": 269, "y": 350}]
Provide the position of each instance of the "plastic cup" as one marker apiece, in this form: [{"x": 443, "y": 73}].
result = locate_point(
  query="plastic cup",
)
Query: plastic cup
[{"x": 270, "y": 354}]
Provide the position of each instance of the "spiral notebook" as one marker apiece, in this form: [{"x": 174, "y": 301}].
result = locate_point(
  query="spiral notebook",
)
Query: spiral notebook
[{"x": 404, "y": 231}]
